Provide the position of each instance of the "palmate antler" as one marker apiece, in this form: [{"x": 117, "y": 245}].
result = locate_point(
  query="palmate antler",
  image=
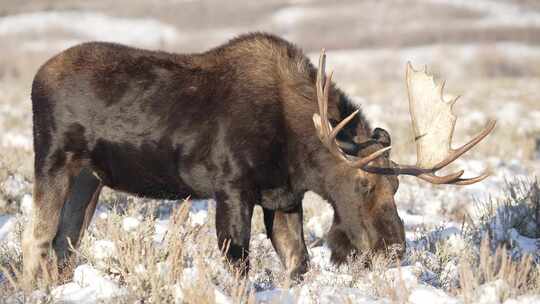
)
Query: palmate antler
[{"x": 433, "y": 123}]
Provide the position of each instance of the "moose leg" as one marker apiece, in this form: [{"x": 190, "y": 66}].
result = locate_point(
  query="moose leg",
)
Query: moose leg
[
  {"x": 50, "y": 192},
  {"x": 76, "y": 213},
  {"x": 285, "y": 230},
  {"x": 234, "y": 209}
]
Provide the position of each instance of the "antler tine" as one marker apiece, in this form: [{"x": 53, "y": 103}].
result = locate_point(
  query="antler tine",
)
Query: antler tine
[
  {"x": 324, "y": 129},
  {"x": 434, "y": 179},
  {"x": 364, "y": 161},
  {"x": 326, "y": 133},
  {"x": 456, "y": 153},
  {"x": 453, "y": 179},
  {"x": 470, "y": 181}
]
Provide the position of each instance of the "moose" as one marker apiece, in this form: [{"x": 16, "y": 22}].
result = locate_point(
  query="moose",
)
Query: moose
[{"x": 251, "y": 122}]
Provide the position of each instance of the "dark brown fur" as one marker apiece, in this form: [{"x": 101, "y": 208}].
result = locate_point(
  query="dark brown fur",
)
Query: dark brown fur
[{"x": 233, "y": 123}]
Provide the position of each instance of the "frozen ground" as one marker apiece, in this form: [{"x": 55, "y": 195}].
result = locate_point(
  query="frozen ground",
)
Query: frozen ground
[
  {"x": 425, "y": 275},
  {"x": 128, "y": 254}
]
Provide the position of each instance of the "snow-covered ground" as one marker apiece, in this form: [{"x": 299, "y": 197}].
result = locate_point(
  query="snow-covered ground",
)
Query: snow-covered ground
[
  {"x": 444, "y": 224},
  {"x": 88, "y": 26},
  {"x": 414, "y": 280}
]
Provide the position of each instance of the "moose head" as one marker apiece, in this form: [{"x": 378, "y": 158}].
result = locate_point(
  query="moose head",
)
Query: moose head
[{"x": 364, "y": 185}]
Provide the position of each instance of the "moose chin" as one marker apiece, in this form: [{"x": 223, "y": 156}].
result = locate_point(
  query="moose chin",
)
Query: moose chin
[{"x": 251, "y": 122}]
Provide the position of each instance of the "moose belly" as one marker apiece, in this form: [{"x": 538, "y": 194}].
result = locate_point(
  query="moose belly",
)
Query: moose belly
[{"x": 148, "y": 170}]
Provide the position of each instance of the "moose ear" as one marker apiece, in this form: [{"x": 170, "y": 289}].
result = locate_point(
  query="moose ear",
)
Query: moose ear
[{"x": 382, "y": 137}]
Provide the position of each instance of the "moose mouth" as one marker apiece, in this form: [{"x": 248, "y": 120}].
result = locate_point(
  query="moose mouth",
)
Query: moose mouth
[{"x": 343, "y": 249}]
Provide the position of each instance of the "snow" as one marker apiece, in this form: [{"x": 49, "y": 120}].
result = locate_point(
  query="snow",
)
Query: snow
[
  {"x": 160, "y": 227},
  {"x": 524, "y": 244},
  {"x": 130, "y": 223},
  {"x": 26, "y": 204},
  {"x": 307, "y": 295},
  {"x": 275, "y": 296},
  {"x": 14, "y": 186},
  {"x": 288, "y": 17},
  {"x": 491, "y": 292},
  {"x": 219, "y": 296},
  {"x": 406, "y": 276},
  {"x": 320, "y": 256},
  {"x": 103, "y": 249},
  {"x": 189, "y": 276},
  {"x": 10, "y": 139},
  {"x": 88, "y": 26},
  {"x": 89, "y": 286},
  {"x": 7, "y": 223},
  {"x": 465, "y": 53},
  {"x": 415, "y": 282},
  {"x": 527, "y": 299},
  {"x": 198, "y": 212},
  {"x": 424, "y": 294},
  {"x": 497, "y": 13},
  {"x": 319, "y": 225}
]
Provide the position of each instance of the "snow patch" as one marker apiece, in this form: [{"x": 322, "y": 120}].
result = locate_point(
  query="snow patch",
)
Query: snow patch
[
  {"x": 198, "y": 213},
  {"x": 130, "y": 223},
  {"x": 424, "y": 294},
  {"x": 16, "y": 140},
  {"x": 491, "y": 292},
  {"x": 527, "y": 299},
  {"x": 7, "y": 223},
  {"x": 26, "y": 204},
  {"x": 318, "y": 226},
  {"x": 89, "y": 26},
  {"x": 103, "y": 249},
  {"x": 497, "y": 13},
  {"x": 188, "y": 277},
  {"x": 288, "y": 17},
  {"x": 14, "y": 186},
  {"x": 524, "y": 244},
  {"x": 88, "y": 286}
]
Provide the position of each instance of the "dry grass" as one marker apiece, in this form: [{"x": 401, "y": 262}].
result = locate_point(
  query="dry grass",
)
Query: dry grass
[
  {"x": 512, "y": 277},
  {"x": 479, "y": 258},
  {"x": 518, "y": 208},
  {"x": 187, "y": 264},
  {"x": 145, "y": 270}
]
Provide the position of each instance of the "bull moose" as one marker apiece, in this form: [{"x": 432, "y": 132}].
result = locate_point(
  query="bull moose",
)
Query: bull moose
[{"x": 251, "y": 122}]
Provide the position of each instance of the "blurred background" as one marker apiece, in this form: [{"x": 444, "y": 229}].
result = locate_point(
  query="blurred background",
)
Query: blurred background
[
  {"x": 487, "y": 50},
  {"x": 195, "y": 25}
]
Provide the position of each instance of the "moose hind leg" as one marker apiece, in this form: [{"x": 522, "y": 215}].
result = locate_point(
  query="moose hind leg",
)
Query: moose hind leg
[
  {"x": 284, "y": 228},
  {"x": 76, "y": 213},
  {"x": 234, "y": 209},
  {"x": 50, "y": 192}
]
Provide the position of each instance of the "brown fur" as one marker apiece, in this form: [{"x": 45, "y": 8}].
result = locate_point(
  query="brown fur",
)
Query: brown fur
[{"x": 233, "y": 123}]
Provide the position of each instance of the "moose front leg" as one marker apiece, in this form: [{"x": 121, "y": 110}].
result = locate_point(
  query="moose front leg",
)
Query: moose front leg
[
  {"x": 285, "y": 230},
  {"x": 234, "y": 209}
]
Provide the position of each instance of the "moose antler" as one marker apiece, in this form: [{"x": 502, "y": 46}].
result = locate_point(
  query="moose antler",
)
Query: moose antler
[
  {"x": 326, "y": 133},
  {"x": 433, "y": 123}
]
